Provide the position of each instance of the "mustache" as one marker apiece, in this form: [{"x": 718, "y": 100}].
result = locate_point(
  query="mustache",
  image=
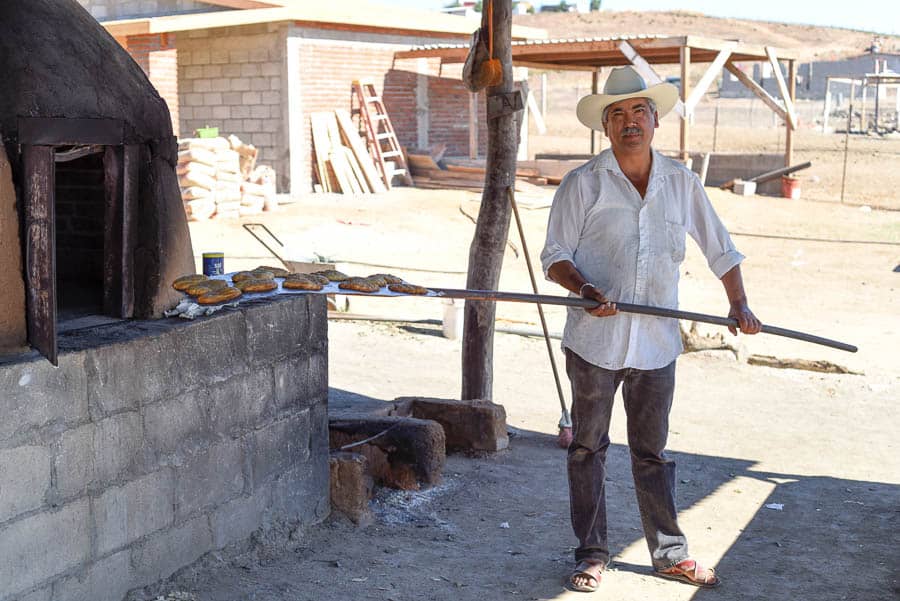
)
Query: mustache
[{"x": 631, "y": 130}]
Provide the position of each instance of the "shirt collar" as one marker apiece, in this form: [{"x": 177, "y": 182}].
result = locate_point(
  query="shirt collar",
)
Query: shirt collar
[{"x": 662, "y": 166}]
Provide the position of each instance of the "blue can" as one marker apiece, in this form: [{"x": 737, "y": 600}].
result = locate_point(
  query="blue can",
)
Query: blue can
[{"x": 213, "y": 263}]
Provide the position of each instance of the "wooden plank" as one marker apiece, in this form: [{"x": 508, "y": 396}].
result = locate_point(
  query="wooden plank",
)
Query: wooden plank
[
  {"x": 421, "y": 161},
  {"x": 322, "y": 148},
  {"x": 58, "y": 131},
  {"x": 356, "y": 171},
  {"x": 647, "y": 72},
  {"x": 360, "y": 152},
  {"x": 711, "y": 73},
  {"x": 782, "y": 87},
  {"x": 130, "y": 197},
  {"x": 536, "y": 113},
  {"x": 757, "y": 89},
  {"x": 473, "y": 125},
  {"x": 39, "y": 171},
  {"x": 113, "y": 184},
  {"x": 685, "y": 129},
  {"x": 789, "y": 129}
]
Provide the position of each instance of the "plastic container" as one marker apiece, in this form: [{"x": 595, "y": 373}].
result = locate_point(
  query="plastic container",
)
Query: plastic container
[
  {"x": 453, "y": 318},
  {"x": 790, "y": 187},
  {"x": 213, "y": 263}
]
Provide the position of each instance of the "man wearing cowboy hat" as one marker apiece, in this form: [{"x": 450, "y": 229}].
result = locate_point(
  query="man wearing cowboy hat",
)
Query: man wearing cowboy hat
[{"x": 617, "y": 231}]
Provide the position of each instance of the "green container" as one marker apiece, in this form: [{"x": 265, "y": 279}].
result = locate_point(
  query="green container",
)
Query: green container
[{"x": 208, "y": 132}]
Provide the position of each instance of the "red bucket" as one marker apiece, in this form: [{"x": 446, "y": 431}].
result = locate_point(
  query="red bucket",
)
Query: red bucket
[{"x": 790, "y": 187}]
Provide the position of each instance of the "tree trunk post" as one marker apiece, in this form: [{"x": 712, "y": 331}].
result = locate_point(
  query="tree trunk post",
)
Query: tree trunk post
[{"x": 492, "y": 228}]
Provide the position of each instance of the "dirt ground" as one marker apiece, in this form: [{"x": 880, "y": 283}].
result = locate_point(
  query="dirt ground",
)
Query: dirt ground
[{"x": 789, "y": 481}]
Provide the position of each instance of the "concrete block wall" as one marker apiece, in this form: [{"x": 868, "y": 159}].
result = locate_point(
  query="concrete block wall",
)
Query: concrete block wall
[
  {"x": 156, "y": 442},
  {"x": 726, "y": 166},
  {"x": 234, "y": 79}
]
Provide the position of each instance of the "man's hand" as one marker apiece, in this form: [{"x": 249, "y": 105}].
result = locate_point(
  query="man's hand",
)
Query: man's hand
[
  {"x": 605, "y": 309},
  {"x": 746, "y": 319}
]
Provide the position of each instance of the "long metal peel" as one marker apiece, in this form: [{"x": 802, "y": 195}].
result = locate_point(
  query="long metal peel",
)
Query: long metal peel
[{"x": 545, "y": 299}]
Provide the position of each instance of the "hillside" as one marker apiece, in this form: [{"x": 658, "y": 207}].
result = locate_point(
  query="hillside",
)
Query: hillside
[{"x": 808, "y": 42}]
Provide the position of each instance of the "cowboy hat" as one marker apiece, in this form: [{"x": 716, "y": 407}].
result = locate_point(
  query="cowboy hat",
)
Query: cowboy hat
[{"x": 624, "y": 83}]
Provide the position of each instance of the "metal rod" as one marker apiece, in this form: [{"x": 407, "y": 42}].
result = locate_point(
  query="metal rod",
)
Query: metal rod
[
  {"x": 562, "y": 400},
  {"x": 518, "y": 297}
]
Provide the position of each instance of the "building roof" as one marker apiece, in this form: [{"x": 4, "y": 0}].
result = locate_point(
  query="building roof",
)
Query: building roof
[
  {"x": 353, "y": 15},
  {"x": 590, "y": 53}
]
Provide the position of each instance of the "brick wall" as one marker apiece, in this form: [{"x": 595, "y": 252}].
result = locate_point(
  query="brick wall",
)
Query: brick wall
[
  {"x": 108, "y": 10},
  {"x": 158, "y": 57},
  {"x": 111, "y": 483},
  {"x": 233, "y": 79},
  {"x": 80, "y": 213}
]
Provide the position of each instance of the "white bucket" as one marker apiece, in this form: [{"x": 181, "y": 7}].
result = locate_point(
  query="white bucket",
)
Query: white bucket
[{"x": 453, "y": 318}]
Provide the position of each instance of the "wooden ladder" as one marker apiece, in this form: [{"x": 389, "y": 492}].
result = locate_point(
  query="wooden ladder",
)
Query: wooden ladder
[{"x": 380, "y": 135}]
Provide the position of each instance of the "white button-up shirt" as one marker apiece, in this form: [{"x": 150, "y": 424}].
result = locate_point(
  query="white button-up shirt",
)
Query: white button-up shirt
[{"x": 630, "y": 248}]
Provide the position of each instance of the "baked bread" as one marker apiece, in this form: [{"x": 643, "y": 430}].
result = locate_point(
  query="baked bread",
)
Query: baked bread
[
  {"x": 257, "y": 285},
  {"x": 297, "y": 282},
  {"x": 333, "y": 275},
  {"x": 388, "y": 278},
  {"x": 206, "y": 286},
  {"x": 359, "y": 285},
  {"x": 278, "y": 272},
  {"x": 186, "y": 281},
  {"x": 240, "y": 276},
  {"x": 219, "y": 296},
  {"x": 377, "y": 279},
  {"x": 407, "y": 289}
]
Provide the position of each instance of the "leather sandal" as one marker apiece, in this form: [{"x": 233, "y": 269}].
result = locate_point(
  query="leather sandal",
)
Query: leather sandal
[
  {"x": 589, "y": 572},
  {"x": 690, "y": 572}
]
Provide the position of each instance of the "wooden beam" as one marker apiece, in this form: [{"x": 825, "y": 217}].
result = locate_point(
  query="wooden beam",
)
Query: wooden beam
[
  {"x": 789, "y": 129},
  {"x": 685, "y": 137},
  {"x": 549, "y": 66},
  {"x": 473, "y": 125},
  {"x": 711, "y": 73},
  {"x": 786, "y": 94},
  {"x": 757, "y": 89},
  {"x": 595, "y": 79},
  {"x": 647, "y": 72}
]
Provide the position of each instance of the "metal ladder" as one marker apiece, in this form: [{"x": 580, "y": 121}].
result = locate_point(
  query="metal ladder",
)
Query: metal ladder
[{"x": 380, "y": 135}]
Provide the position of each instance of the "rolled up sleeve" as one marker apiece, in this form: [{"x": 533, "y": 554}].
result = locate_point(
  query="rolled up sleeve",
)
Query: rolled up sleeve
[
  {"x": 564, "y": 224},
  {"x": 709, "y": 232}
]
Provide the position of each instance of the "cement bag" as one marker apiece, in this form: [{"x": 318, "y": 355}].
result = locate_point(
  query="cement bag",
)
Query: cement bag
[
  {"x": 196, "y": 167},
  {"x": 192, "y": 178},
  {"x": 198, "y": 155},
  {"x": 196, "y": 192},
  {"x": 200, "y": 209}
]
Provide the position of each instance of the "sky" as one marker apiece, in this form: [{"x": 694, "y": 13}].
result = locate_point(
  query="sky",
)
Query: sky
[{"x": 882, "y": 16}]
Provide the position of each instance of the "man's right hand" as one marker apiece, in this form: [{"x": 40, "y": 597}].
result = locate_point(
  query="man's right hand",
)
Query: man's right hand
[{"x": 605, "y": 308}]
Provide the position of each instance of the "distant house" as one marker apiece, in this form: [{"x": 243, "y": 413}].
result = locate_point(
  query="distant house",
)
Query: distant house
[
  {"x": 811, "y": 76},
  {"x": 258, "y": 68}
]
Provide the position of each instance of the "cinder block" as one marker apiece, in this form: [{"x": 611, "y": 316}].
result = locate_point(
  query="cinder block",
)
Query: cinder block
[
  {"x": 260, "y": 111},
  {"x": 259, "y": 55},
  {"x": 277, "y": 329},
  {"x": 219, "y": 57},
  {"x": 221, "y": 85},
  {"x": 271, "y": 98},
  {"x": 279, "y": 447},
  {"x": 250, "y": 70},
  {"x": 475, "y": 425},
  {"x": 97, "y": 453},
  {"x": 212, "y": 98},
  {"x": 234, "y": 100},
  {"x": 221, "y": 112},
  {"x": 270, "y": 69},
  {"x": 744, "y": 188},
  {"x": 239, "y": 56},
  {"x": 24, "y": 480},
  {"x": 251, "y": 98},
  {"x": 171, "y": 425},
  {"x": 238, "y": 519},
  {"x": 317, "y": 311},
  {"x": 36, "y": 395},
  {"x": 115, "y": 384},
  {"x": 164, "y": 553},
  {"x": 292, "y": 390},
  {"x": 351, "y": 486},
  {"x": 240, "y": 84},
  {"x": 127, "y": 513},
  {"x": 29, "y": 560},
  {"x": 193, "y": 71},
  {"x": 230, "y": 70},
  {"x": 209, "y": 478},
  {"x": 302, "y": 493},
  {"x": 42, "y": 594},
  {"x": 211, "y": 71},
  {"x": 108, "y": 579},
  {"x": 241, "y": 403},
  {"x": 206, "y": 349}
]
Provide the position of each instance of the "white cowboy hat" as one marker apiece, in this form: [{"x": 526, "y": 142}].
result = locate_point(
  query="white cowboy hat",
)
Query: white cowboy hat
[{"x": 624, "y": 83}]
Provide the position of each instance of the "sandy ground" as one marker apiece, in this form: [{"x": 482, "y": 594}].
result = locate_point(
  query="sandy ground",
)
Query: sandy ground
[{"x": 822, "y": 447}]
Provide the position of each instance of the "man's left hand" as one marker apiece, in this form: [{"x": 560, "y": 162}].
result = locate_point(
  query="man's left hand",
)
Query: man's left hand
[{"x": 747, "y": 321}]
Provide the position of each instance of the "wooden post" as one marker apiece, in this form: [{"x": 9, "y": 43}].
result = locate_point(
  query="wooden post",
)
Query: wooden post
[
  {"x": 473, "y": 125},
  {"x": 492, "y": 228},
  {"x": 595, "y": 80},
  {"x": 685, "y": 92},
  {"x": 788, "y": 129}
]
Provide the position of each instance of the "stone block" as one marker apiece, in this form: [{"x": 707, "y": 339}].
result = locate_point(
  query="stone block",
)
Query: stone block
[
  {"x": 113, "y": 382},
  {"x": 210, "y": 349},
  {"x": 238, "y": 519},
  {"x": 212, "y": 98},
  {"x": 172, "y": 425},
  {"x": 192, "y": 72},
  {"x": 233, "y": 99},
  {"x": 277, "y": 329},
  {"x": 403, "y": 452},
  {"x": 108, "y": 579},
  {"x": 271, "y": 98},
  {"x": 38, "y": 395},
  {"x": 240, "y": 84},
  {"x": 279, "y": 447},
  {"x": 231, "y": 70},
  {"x": 221, "y": 112},
  {"x": 317, "y": 320},
  {"x": 165, "y": 552},
  {"x": 97, "y": 453},
  {"x": 219, "y": 57},
  {"x": 271, "y": 69},
  {"x": 221, "y": 85},
  {"x": 351, "y": 486},
  {"x": 127, "y": 513},
  {"x": 24, "y": 480},
  {"x": 241, "y": 403},
  {"x": 474, "y": 425},
  {"x": 302, "y": 493},
  {"x": 292, "y": 383},
  {"x": 28, "y": 557},
  {"x": 250, "y": 70},
  {"x": 209, "y": 478}
]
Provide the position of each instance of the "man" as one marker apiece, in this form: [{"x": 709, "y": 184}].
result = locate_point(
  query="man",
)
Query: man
[{"x": 617, "y": 231}]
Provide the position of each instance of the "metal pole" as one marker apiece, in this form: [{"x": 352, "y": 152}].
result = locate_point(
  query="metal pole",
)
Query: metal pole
[{"x": 847, "y": 140}]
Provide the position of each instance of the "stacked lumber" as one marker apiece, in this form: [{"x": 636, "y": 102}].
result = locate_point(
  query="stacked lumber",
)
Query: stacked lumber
[
  {"x": 343, "y": 163},
  {"x": 464, "y": 175},
  {"x": 219, "y": 177}
]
